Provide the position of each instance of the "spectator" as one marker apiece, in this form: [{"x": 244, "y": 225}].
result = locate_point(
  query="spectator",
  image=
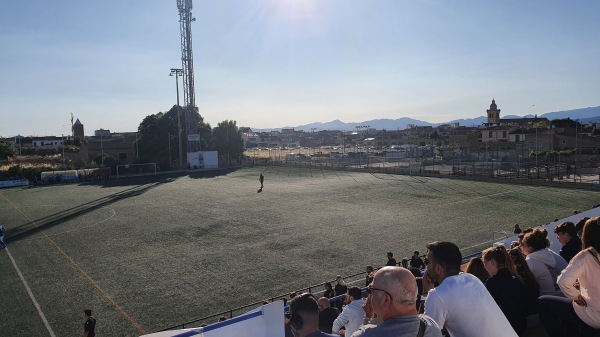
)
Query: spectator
[
  {"x": 567, "y": 236},
  {"x": 369, "y": 277},
  {"x": 340, "y": 289},
  {"x": 579, "y": 226},
  {"x": 545, "y": 264},
  {"x": 582, "y": 305},
  {"x": 476, "y": 268},
  {"x": 304, "y": 317},
  {"x": 506, "y": 287},
  {"x": 416, "y": 261},
  {"x": 460, "y": 303},
  {"x": 329, "y": 293},
  {"x": 293, "y": 294},
  {"x": 517, "y": 229},
  {"x": 391, "y": 259},
  {"x": 89, "y": 327},
  {"x": 327, "y": 314},
  {"x": 392, "y": 295},
  {"x": 533, "y": 288},
  {"x": 352, "y": 315}
]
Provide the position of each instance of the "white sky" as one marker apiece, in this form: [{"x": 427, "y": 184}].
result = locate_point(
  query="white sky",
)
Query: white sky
[{"x": 276, "y": 63}]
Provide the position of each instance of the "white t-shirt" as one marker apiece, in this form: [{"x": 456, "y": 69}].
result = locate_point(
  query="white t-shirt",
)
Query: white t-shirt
[{"x": 465, "y": 308}]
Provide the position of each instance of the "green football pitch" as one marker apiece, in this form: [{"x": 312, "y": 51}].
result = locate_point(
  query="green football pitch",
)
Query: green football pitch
[{"x": 151, "y": 252}]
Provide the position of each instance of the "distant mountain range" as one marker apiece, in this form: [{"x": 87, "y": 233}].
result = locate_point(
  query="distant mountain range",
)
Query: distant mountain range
[{"x": 584, "y": 115}]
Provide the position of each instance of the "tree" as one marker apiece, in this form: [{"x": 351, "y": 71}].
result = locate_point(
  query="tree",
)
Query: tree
[
  {"x": 158, "y": 136},
  {"x": 228, "y": 140},
  {"x": 7, "y": 151}
]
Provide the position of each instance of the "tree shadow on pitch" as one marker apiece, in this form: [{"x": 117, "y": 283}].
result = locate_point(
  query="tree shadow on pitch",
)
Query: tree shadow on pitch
[{"x": 33, "y": 227}]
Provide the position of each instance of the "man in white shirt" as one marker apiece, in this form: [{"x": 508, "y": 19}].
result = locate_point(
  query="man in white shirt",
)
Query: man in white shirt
[
  {"x": 352, "y": 316},
  {"x": 460, "y": 303}
]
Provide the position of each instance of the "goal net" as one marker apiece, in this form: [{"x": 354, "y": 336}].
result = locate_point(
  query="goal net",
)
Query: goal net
[{"x": 136, "y": 170}]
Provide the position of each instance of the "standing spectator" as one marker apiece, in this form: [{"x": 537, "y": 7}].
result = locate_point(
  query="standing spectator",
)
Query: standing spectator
[
  {"x": 329, "y": 293},
  {"x": 340, "y": 289},
  {"x": 567, "y": 236},
  {"x": 506, "y": 288},
  {"x": 2, "y": 244},
  {"x": 304, "y": 317},
  {"x": 89, "y": 327},
  {"x": 476, "y": 268},
  {"x": 261, "y": 178},
  {"x": 545, "y": 264},
  {"x": 391, "y": 259},
  {"x": 582, "y": 305},
  {"x": 517, "y": 229},
  {"x": 369, "y": 277},
  {"x": 392, "y": 295},
  {"x": 460, "y": 303},
  {"x": 352, "y": 315},
  {"x": 327, "y": 314}
]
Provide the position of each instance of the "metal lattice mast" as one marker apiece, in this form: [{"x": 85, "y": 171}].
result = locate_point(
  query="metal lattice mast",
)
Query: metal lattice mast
[{"x": 187, "y": 63}]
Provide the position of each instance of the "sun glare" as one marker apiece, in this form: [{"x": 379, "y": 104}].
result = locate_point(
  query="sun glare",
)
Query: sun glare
[{"x": 293, "y": 11}]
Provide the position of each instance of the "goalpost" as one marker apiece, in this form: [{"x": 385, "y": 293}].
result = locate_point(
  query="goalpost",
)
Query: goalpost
[{"x": 130, "y": 170}]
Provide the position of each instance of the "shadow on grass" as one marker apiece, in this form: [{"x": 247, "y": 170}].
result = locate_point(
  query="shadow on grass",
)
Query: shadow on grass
[
  {"x": 33, "y": 227},
  {"x": 212, "y": 173}
]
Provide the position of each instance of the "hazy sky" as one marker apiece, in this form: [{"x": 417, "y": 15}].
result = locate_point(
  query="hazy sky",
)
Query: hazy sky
[{"x": 274, "y": 63}]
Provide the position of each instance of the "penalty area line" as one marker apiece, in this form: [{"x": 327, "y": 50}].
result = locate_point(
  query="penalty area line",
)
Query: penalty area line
[{"x": 35, "y": 302}]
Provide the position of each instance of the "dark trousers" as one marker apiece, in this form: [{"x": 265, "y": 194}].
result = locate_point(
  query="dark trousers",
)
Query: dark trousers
[{"x": 559, "y": 318}]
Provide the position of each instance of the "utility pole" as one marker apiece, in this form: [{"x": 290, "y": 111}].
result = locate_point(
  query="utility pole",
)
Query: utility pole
[{"x": 178, "y": 72}]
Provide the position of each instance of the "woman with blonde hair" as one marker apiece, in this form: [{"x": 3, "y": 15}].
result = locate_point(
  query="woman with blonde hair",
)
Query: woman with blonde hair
[
  {"x": 506, "y": 287},
  {"x": 579, "y": 282}
]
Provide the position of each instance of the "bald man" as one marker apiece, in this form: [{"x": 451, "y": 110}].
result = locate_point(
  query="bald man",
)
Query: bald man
[
  {"x": 393, "y": 294},
  {"x": 327, "y": 314}
]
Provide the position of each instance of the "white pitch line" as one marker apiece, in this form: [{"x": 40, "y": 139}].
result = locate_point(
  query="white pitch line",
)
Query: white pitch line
[{"x": 35, "y": 302}]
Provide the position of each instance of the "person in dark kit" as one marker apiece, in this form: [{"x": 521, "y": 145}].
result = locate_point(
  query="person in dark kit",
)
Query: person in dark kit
[
  {"x": 2, "y": 245},
  {"x": 262, "y": 180},
  {"x": 89, "y": 327},
  {"x": 517, "y": 229}
]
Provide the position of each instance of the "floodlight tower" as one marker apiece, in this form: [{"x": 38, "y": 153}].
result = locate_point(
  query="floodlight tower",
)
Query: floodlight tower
[{"x": 187, "y": 63}]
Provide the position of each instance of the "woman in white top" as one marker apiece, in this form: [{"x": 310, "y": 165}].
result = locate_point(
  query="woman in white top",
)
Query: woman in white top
[
  {"x": 579, "y": 282},
  {"x": 545, "y": 264}
]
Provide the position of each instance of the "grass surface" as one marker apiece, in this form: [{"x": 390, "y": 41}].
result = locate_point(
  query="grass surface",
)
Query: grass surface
[{"x": 152, "y": 252}]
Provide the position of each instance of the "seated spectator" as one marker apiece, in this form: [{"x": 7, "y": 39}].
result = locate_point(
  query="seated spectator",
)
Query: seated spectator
[
  {"x": 416, "y": 261},
  {"x": 392, "y": 296},
  {"x": 351, "y": 317},
  {"x": 404, "y": 263},
  {"x": 517, "y": 229},
  {"x": 304, "y": 317},
  {"x": 460, "y": 303},
  {"x": 581, "y": 307},
  {"x": 476, "y": 268},
  {"x": 369, "y": 277},
  {"x": 579, "y": 226},
  {"x": 327, "y": 314},
  {"x": 545, "y": 264},
  {"x": 340, "y": 289},
  {"x": 533, "y": 288},
  {"x": 506, "y": 287},
  {"x": 391, "y": 259},
  {"x": 329, "y": 292},
  {"x": 567, "y": 236}
]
